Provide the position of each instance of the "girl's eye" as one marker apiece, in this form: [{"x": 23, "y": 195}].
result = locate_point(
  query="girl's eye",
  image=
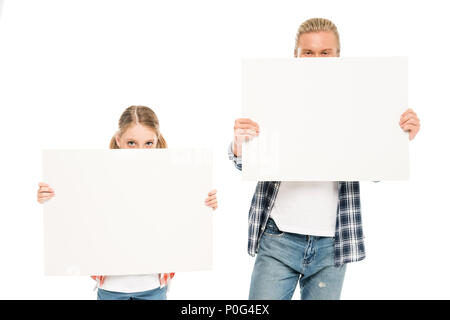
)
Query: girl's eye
[
  {"x": 149, "y": 143},
  {"x": 131, "y": 143}
]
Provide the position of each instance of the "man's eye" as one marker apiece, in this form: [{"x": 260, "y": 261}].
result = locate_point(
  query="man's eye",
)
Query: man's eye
[{"x": 325, "y": 53}]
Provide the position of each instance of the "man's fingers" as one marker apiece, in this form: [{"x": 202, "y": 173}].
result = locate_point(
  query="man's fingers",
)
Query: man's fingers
[
  {"x": 246, "y": 126},
  {"x": 251, "y": 132},
  {"x": 244, "y": 134},
  {"x": 242, "y": 122},
  {"x": 245, "y": 120}
]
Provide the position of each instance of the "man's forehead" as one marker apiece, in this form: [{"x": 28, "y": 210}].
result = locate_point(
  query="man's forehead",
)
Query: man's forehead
[{"x": 318, "y": 40}]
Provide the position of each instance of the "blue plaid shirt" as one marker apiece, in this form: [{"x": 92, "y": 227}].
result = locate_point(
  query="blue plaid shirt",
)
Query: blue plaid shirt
[{"x": 349, "y": 238}]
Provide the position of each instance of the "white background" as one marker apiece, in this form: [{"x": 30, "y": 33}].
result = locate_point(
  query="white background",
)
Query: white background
[{"x": 69, "y": 68}]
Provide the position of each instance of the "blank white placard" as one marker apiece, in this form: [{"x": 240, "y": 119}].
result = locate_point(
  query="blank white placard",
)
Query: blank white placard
[
  {"x": 121, "y": 212},
  {"x": 326, "y": 119}
]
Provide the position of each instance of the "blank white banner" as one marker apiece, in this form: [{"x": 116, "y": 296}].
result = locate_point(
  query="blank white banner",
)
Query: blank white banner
[
  {"x": 326, "y": 119},
  {"x": 121, "y": 212}
]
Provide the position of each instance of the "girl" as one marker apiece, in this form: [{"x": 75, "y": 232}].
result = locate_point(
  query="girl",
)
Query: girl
[{"x": 138, "y": 128}]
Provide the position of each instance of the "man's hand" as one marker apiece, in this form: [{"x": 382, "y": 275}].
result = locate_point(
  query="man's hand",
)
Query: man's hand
[
  {"x": 410, "y": 122},
  {"x": 244, "y": 130}
]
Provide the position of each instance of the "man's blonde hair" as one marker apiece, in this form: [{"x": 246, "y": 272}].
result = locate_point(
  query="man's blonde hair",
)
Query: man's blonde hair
[{"x": 317, "y": 25}]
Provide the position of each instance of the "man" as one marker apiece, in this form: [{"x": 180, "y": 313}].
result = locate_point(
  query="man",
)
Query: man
[{"x": 294, "y": 227}]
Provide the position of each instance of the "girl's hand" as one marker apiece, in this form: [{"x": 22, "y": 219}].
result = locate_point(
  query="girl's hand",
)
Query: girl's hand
[
  {"x": 164, "y": 278},
  {"x": 45, "y": 192},
  {"x": 100, "y": 278},
  {"x": 244, "y": 130},
  {"x": 410, "y": 122},
  {"x": 211, "y": 201}
]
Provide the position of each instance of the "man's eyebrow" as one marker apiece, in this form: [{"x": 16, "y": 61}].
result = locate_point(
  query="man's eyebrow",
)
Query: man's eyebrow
[{"x": 305, "y": 49}]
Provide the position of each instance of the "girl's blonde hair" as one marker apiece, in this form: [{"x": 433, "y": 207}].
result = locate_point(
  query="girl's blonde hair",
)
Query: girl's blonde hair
[
  {"x": 317, "y": 25},
  {"x": 138, "y": 115}
]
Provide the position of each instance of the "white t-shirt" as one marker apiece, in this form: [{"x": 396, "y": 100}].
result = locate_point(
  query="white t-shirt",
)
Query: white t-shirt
[
  {"x": 306, "y": 207},
  {"x": 131, "y": 283}
]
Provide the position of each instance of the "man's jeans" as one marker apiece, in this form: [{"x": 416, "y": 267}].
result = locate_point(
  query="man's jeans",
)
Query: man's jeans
[
  {"x": 155, "y": 294},
  {"x": 287, "y": 258}
]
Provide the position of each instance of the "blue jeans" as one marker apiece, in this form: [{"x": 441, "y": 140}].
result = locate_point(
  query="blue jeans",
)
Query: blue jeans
[
  {"x": 287, "y": 258},
  {"x": 155, "y": 294}
]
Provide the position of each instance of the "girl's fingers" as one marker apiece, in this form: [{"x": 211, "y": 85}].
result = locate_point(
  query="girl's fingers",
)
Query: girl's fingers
[
  {"x": 407, "y": 118},
  {"x": 45, "y": 194},
  {"x": 212, "y": 204},
  {"x": 409, "y": 127},
  {"x": 412, "y": 121},
  {"x": 43, "y": 184},
  {"x": 244, "y": 120},
  {"x": 46, "y": 189},
  {"x": 43, "y": 199},
  {"x": 413, "y": 132},
  {"x": 408, "y": 111},
  {"x": 212, "y": 192}
]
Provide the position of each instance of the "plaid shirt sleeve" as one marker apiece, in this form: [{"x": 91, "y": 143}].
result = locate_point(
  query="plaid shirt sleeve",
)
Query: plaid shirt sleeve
[
  {"x": 349, "y": 238},
  {"x": 236, "y": 160}
]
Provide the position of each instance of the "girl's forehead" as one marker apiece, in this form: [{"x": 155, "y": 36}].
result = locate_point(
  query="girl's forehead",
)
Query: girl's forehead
[{"x": 140, "y": 130}]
